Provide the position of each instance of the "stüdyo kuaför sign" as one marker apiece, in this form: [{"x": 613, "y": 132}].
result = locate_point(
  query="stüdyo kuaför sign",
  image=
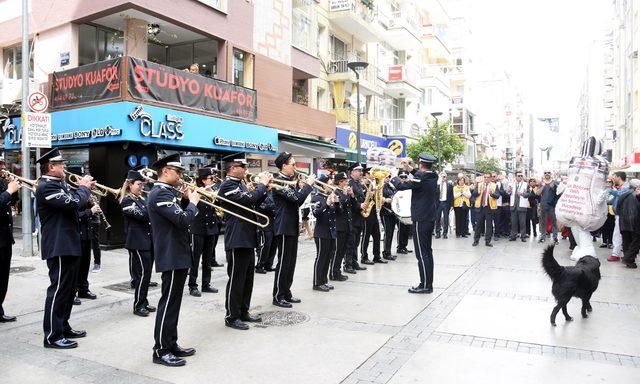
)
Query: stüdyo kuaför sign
[{"x": 92, "y": 82}]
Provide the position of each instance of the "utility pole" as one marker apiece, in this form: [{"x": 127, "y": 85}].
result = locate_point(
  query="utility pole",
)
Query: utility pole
[{"x": 27, "y": 237}]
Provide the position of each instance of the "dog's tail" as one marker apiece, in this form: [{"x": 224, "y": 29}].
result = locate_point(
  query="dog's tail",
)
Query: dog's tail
[{"x": 550, "y": 265}]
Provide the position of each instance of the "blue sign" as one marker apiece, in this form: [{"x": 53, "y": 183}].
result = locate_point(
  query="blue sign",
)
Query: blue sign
[
  {"x": 127, "y": 121},
  {"x": 132, "y": 160},
  {"x": 144, "y": 161},
  {"x": 348, "y": 139}
]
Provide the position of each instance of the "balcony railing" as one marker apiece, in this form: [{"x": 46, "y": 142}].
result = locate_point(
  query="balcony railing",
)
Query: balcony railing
[
  {"x": 348, "y": 116},
  {"x": 436, "y": 72},
  {"x": 401, "y": 127},
  {"x": 404, "y": 18},
  {"x": 371, "y": 74}
]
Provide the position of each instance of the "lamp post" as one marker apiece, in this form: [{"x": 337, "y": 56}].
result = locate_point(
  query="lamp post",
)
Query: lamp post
[
  {"x": 27, "y": 236},
  {"x": 435, "y": 116},
  {"x": 473, "y": 138},
  {"x": 357, "y": 66}
]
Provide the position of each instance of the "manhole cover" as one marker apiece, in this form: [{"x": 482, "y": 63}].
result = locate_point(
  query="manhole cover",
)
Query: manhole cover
[
  {"x": 283, "y": 318},
  {"x": 125, "y": 287},
  {"x": 21, "y": 269}
]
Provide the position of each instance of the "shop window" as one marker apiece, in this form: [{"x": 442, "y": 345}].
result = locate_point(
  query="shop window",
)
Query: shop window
[
  {"x": 110, "y": 44},
  {"x": 181, "y": 56},
  {"x": 12, "y": 62},
  {"x": 157, "y": 53},
  {"x": 98, "y": 43},
  {"x": 87, "y": 44},
  {"x": 205, "y": 53}
]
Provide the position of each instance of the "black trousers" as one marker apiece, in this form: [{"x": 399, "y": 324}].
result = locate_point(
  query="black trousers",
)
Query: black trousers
[
  {"x": 607, "y": 229},
  {"x": 351, "y": 257},
  {"x": 442, "y": 211},
  {"x": 422, "y": 232},
  {"x": 166, "y": 330},
  {"x": 212, "y": 255},
  {"x": 462, "y": 220},
  {"x": 63, "y": 273},
  {"x": 240, "y": 268},
  {"x": 389, "y": 224},
  {"x": 5, "y": 266},
  {"x": 630, "y": 246},
  {"x": 94, "y": 231},
  {"x": 371, "y": 229},
  {"x": 85, "y": 265},
  {"x": 325, "y": 252},
  {"x": 202, "y": 247},
  {"x": 403, "y": 235},
  {"x": 572, "y": 239},
  {"x": 266, "y": 249},
  {"x": 287, "y": 256},
  {"x": 518, "y": 223},
  {"x": 506, "y": 220},
  {"x": 342, "y": 241},
  {"x": 532, "y": 221},
  {"x": 141, "y": 265},
  {"x": 485, "y": 216}
]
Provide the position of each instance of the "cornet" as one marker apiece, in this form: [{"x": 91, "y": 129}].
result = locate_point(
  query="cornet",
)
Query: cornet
[
  {"x": 24, "y": 183},
  {"x": 99, "y": 189}
]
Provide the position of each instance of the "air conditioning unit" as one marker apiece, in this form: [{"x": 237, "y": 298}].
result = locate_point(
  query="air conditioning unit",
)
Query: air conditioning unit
[{"x": 11, "y": 90}]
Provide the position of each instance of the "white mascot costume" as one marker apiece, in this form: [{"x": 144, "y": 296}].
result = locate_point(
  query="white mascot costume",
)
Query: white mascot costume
[{"x": 582, "y": 206}]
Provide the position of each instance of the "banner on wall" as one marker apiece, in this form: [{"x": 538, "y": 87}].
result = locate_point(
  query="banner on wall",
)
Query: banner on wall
[
  {"x": 88, "y": 83},
  {"x": 348, "y": 139}
]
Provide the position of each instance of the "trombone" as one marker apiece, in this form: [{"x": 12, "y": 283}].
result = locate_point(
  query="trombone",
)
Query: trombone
[
  {"x": 210, "y": 198},
  {"x": 303, "y": 176},
  {"x": 275, "y": 183},
  {"x": 99, "y": 189},
  {"x": 25, "y": 183}
]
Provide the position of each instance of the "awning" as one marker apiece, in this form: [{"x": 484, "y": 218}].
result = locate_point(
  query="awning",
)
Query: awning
[
  {"x": 629, "y": 168},
  {"x": 310, "y": 148}
]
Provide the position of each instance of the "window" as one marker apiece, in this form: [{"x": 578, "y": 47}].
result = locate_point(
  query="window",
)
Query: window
[
  {"x": 205, "y": 53},
  {"x": 97, "y": 44},
  {"x": 238, "y": 67},
  {"x": 12, "y": 62},
  {"x": 110, "y": 44},
  {"x": 87, "y": 44},
  {"x": 157, "y": 53},
  {"x": 181, "y": 56},
  {"x": 338, "y": 49}
]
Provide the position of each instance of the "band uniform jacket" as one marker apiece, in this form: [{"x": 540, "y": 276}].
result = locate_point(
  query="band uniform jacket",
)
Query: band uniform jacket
[
  {"x": 240, "y": 233},
  {"x": 268, "y": 207},
  {"x": 85, "y": 215},
  {"x": 424, "y": 194},
  {"x": 6, "y": 218},
  {"x": 388, "y": 190},
  {"x": 206, "y": 223},
  {"x": 344, "y": 212},
  {"x": 137, "y": 227},
  {"x": 287, "y": 201},
  {"x": 57, "y": 208},
  {"x": 357, "y": 220},
  {"x": 325, "y": 215},
  {"x": 170, "y": 228}
]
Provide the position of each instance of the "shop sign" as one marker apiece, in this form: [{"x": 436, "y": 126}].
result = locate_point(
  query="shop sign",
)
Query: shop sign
[
  {"x": 348, "y": 139},
  {"x": 340, "y": 5},
  {"x": 254, "y": 163},
  {"x": 171, "y": 129},
  {"x": 159, "y": 83},
  {"x": 85, "y": 84},
  {"x": 396, "y": 72},
  {"x": 37, "y": 129},
  {"x": 223, "y": 142}
]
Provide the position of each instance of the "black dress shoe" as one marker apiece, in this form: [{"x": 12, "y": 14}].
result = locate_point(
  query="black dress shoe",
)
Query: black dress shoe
[
  {"x": 195, "y": 292},
  {"x": 152, "y": 284},
  {"x": 249, "y": 318},
  {"x": 437, "y": 236},
  {"x": 209, "y": 289},
  {"x": 294, "y": 300},
  {"x": 76, "y": 301},
  {"x": 488, "y": 244},
  {"x": 261, "y": 270},
  {"x": 445, "y": 236},
  {"x": 329, "y": 286},
  {"x": 61, "y": 344},
  {"x": 366, "y": 261},
  {"x": 87, "y": 295},
  {"x": 269, "y": 269},
  {"x": 217, "y": 265},
  {"x": 380, "y": 261},
  {"x": 475, "y": 243},
  {"x": 339, "y": 278},
  {"x": 389, "y": 257},
  {"x": 7, "y": 319},
  {"x": 631, "y": 265},
  {"x": 236, "y": 324},
  {"x": 282, "y": 303},
  {"x": 420, "y": 290},
  {"x": 359, "y": 268},
  {"x": 142, "y": 312},
  {"x": 321, "y": 288},
  {"x": 402, "y": 251},
  {"x": 183, "y": 352},
  {"x": 523, "y": 240},
  {"x": 512, "y": 239},
  {"x": 170, "y": 360},
  {"x": 603, "y": 245},
  {"x": 73, "y": 334},
  {"x": 150, "y": 308},
  {"x": 350, "y": 270}
]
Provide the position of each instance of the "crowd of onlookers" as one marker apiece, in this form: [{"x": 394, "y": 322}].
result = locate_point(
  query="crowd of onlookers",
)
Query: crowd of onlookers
[{"x": 497, "y": 206}]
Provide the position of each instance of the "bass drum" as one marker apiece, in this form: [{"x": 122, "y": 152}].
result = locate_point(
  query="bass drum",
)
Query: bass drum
[{"x": 401, "y": 206}]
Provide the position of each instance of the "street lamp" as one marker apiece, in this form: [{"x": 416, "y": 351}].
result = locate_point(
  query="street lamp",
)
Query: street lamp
[
  {"x": 435, "y": 116},
  {"x": 473, "y": 138},
  {"x": 357, "y": 66}
]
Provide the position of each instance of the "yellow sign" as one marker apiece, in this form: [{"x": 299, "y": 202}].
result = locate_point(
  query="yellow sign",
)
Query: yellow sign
[
  {"x": 396, "y": 146},
  {"x": 352, "y": 141}
]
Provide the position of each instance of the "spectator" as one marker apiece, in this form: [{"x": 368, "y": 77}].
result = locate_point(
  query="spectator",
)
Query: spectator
[
  {"x": 620, "y": 183},
  {"x": 629, "y": 222},
  {"x": 461, "y": 204},
  {"x": 518, "y": 203},
  {"x": 610, "y": 223},
  {"x": 532, "y": 210},
  {"x": 194, "y": 68},
  {"x": 548, "y": 199}
]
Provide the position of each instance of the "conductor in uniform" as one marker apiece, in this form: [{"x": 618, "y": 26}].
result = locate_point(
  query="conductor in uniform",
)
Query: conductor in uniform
[
  {"x": 423, "y": 214},
  {"x": 171, "y": 246},
  {"x": 8, "y": 197},
  {"x": 287, "y": 202},
  {"x": 240, "y": 240},
  {"x": 57, "y": 207}
]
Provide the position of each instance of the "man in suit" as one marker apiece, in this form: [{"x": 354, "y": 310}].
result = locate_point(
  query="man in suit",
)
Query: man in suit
[
  {"x": 486, "y": 205},
  {"x": 518, "y": 205},
  {"x": 172, "y": 250},
  {"x": 8, "y": 197},
  {"x": 445, "y": 203},
  {"x": 57, "y": 208},
  {"x": 287, "y": 202}
]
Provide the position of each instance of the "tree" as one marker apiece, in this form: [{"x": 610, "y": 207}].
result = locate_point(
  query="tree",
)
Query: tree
[
  {"x": 486, "y": 165},
  {"x": 440, "y": 142}
]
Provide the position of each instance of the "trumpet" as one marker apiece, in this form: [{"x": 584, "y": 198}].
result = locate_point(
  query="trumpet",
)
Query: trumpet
[
  {"x": 210, "y": 197},
  {"x": 278, "y": 184},
  {"x": 303, "y": 176},
  {"x": 99, "y": 189},
  {"x": 24, "y": 183}
]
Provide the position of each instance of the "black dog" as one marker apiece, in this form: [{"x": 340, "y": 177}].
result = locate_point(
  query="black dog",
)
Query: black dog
[{"x": 579, "y": 281}]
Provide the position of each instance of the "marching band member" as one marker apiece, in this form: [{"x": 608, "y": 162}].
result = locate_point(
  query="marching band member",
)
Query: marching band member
[
  {"x": 325, "y": 204},
  {"x": 389, "y": 219},
  {"x": 138, "y": 242},
  {"x": 287, "y": 201},
  {"x": 404, "y": 230},
  {"x": 371, "y": 228},
  {"x": 240, "y": 240},
  {"x": 57, "y": 208},
  {"x": 351, "y": 257},
  {"x": 171, "y": 248},
  {"x": 86, "y": 214},
  {"x": 343, "y": 225},
  {"x": 423, "y": 214},
  {"x": 204, "y": 237},
  {"x": 8, "y": 196},
  {"x": 266, "y": 245}
]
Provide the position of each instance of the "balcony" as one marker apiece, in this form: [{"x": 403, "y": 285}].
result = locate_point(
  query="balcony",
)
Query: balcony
[
  {"x": 356, "y": 17},
  {"x": 402, "y": 30},
  {"x": 434, "y": 75},
  {"x": 402, "y": 127},
  {"x": 435, "y": 40},
  {"x": 371, "y": 80},
  {"x": 402, "y": 82},
  {"x": 347, "y": 118}
]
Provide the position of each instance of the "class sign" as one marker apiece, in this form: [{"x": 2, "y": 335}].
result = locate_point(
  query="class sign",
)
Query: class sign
[{"x": 37, "y": 132}]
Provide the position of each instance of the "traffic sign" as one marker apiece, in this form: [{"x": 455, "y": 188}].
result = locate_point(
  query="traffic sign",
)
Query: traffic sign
[
  {"x": 38, "y": 102},
  {"x": 36, "y": 130}
]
